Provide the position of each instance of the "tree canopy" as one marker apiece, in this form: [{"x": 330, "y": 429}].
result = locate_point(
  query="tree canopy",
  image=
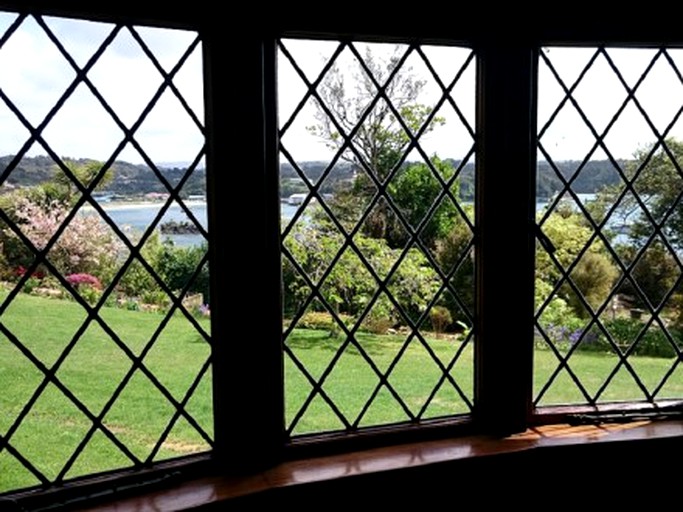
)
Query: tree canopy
[{"x": 371, "y": 116}]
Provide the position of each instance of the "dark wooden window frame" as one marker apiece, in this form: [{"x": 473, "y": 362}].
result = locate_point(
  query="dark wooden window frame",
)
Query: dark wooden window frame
[{"x": 242, "y": 152}]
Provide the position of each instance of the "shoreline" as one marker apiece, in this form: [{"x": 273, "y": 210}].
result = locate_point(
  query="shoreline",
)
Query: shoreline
[{"x": 122, "y": 205}]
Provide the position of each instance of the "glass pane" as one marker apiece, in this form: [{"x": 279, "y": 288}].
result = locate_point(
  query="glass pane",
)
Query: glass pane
[
  {"x": 608, "y": 264},
  {"x": 103, "y": 250},
  {"x": 377, "y": 191}
]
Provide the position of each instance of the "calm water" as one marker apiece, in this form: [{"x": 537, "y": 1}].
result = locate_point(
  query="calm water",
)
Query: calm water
[{"x": 137, "y": 217}]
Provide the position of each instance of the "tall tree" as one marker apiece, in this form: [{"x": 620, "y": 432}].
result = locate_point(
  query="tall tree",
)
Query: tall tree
[{"x": 371, "y": 109}]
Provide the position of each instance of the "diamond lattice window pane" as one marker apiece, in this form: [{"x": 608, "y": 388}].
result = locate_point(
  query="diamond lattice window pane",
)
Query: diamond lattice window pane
[
  {"x": 608, "y": 262},
  {"x": 377, "y": 190},
  {"x": 104, "y": 313}
]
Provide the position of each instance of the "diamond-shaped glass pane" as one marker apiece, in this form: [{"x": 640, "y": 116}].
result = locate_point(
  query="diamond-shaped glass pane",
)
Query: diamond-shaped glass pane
[{"x": 377, "y": 232}]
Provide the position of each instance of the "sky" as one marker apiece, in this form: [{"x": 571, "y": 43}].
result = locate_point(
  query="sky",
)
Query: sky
[
  {"x": 35, "y": 75},
  {"x": 564, "y": 134},
  {"x": 452, "y": 138}
]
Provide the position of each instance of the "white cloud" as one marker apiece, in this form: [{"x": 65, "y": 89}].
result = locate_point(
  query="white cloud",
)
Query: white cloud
[{"x": 35, "y": 76}]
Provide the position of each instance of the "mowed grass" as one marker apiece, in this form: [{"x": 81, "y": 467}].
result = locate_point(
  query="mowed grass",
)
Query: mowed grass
[
  {"x": 49, "y": 433},
  {"x": 54, "y": 427},
  {"x": 418, "y": 377}
]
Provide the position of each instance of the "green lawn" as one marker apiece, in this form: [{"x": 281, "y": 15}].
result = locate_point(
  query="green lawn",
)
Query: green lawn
[{"x": 53, "y": 428}]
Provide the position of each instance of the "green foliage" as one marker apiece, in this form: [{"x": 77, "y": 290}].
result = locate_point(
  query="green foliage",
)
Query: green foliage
[
  {"x": 556, "y": 311},
  {"x": 90, "y": 294},
  {"x": 349, "y": 286},
  {"x": 440, "y": 318},
  {"x": 655, "y": 274},
  {"x": 321, "y": 320},
  {"x": 175, "y": 266},
  {"x": 380, "y": 139},
  {"x": 30, "y": 284},
  {"x": 137, "y": 280},
  {"x": 414, "y": 189},
  {"x": 593, "y": 274},
  {"x": 456, "y": 260},
  {"x": 63, "y": 188},
  {"x": 657, "y": 181},
  {"x": 289, "y": 186},
  {"x": 381, "y": 317},
  {"x": 624, "y": 331},
  {"x": 157, "y": 298}
]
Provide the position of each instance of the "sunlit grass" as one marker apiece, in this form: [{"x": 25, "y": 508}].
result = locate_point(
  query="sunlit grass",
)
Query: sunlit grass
[
  {"x": 49, "y": 432},
  {"x": 93, "y": 369}
]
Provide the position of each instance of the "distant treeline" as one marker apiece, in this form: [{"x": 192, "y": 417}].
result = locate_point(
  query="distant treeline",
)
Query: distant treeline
[
  {"x": 131, "y": 179},
  {"x": 127, "y": 179},
  {"x": 592, "y": 176}
]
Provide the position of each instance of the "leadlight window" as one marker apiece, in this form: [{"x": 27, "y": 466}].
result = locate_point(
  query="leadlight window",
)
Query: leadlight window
[
  {"x": 608, "y": 264},
  {"x": 105, "y": 341},
  {"x": 507, "y": 93},
  {"x": 377, "y": 186}
]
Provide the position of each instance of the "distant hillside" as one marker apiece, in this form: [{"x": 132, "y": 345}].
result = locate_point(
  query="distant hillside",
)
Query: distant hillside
[
  {"x": 128, "y": 179},
  {"x": 593, "y": 175}
]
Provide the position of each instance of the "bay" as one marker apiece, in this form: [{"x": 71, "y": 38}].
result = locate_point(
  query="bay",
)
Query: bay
[{"x": 137, "y": 217}]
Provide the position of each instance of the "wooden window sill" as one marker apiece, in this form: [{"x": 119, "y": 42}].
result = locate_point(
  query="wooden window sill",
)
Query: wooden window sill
[{"x": 219, "y": 491}]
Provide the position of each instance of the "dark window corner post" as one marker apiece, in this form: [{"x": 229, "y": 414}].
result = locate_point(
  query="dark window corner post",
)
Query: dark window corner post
[
  {"x": 242, "y": 178},
  {"x": 505, "y": 249}
]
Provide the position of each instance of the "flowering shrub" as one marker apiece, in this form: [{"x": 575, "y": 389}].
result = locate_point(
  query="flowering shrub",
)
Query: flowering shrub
[
  {"x": 37, "y": 274},
  {"x": 86, "y": 246},
  {"x": 76, "y": 280}
]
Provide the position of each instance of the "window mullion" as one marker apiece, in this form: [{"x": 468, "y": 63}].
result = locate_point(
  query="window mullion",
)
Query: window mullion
[
  {"x": 505, "y": 248},
  {"x": 242, "y": 153}
]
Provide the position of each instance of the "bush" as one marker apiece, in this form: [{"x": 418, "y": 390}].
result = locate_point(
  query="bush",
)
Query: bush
[
  {"x": 30, "y": 284},
  {"x": 177, "y": 266},
  {"x": 376, "y": 324},
  {"x": 83, "y": 279},
  {"x": 86, "y": 245},
  {"x": 652, "y": 343},
  {"x": 319, "y": 320},
  {"x": 441, "y": 319},
  {"x": 349, "y": 286}
]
